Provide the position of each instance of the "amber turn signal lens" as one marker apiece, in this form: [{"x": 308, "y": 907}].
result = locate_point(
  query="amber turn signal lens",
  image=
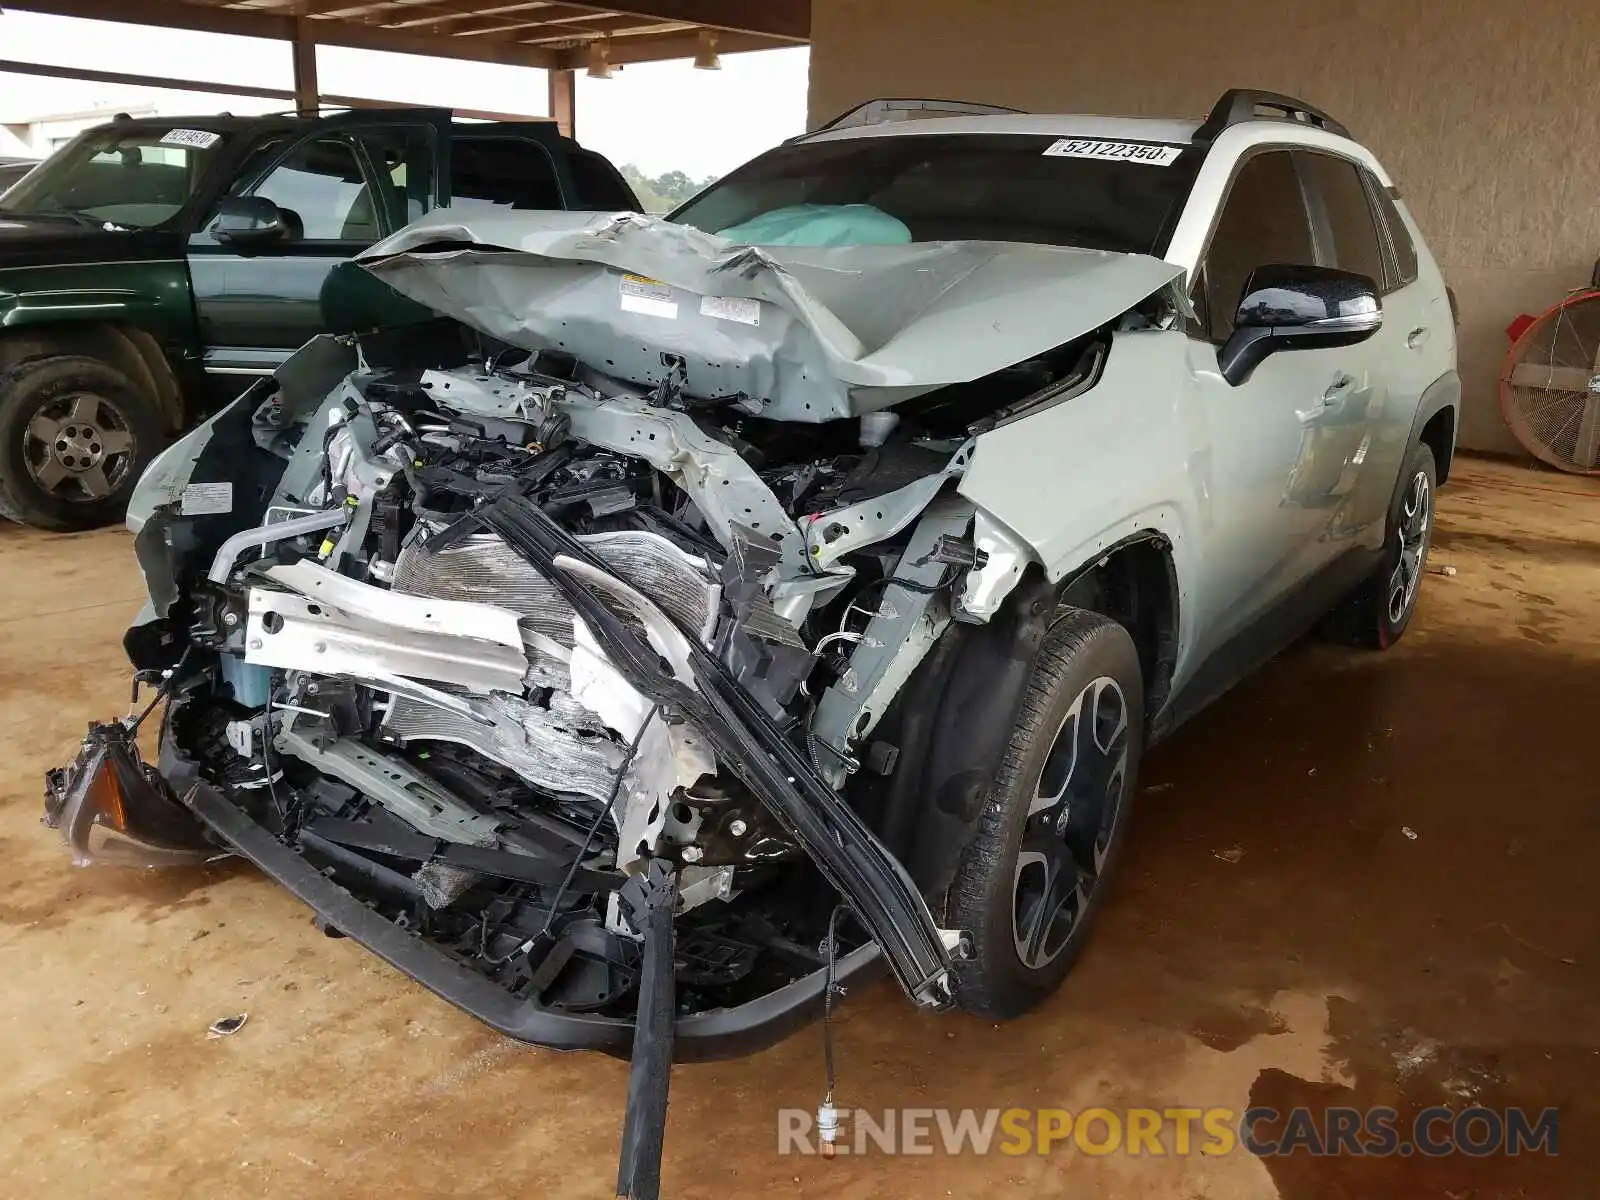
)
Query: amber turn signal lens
[{"x": 105, "y": 797}]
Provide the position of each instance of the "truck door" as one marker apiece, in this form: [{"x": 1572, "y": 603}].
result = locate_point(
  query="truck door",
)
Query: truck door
[{"x": 338, "y": 187}]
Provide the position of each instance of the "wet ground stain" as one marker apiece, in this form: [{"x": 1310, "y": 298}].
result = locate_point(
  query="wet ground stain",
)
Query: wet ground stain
[{"x": 82, "y": 893}]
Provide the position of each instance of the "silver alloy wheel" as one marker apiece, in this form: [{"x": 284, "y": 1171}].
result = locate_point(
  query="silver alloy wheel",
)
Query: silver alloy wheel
[
  {"x": 79, "y": 447},
  {"x": 1076, "y": 805},
  {"x": 1416, "y": 526}
]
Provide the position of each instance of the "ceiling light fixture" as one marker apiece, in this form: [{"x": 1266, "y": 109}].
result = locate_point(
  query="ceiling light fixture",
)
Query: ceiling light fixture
[
  {"x": 705, "y": 55},
  {"x": 600, "y": 59}
]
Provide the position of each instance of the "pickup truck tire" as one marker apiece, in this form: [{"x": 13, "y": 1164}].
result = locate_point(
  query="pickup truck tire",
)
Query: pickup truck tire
[
  {"x": 1377, "y": 614},
  {"x": 1033, "y": 876},
  {"x": 75, "y": 435}
]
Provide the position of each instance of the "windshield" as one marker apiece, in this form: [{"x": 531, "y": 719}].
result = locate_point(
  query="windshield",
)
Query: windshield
[
  {"x": 132, "y": 178},
  {"x": 938, "y": 187}
]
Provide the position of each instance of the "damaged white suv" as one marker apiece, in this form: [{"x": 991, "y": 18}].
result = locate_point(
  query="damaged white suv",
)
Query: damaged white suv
[{"x": 711, "y": 607}]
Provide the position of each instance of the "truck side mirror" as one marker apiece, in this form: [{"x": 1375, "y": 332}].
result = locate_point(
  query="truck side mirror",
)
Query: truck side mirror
[{"x": 249, "y": 222}]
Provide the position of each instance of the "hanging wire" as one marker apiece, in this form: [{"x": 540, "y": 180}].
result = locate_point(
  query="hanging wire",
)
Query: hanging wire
[
  {"x": 594, "y": 828},
  {"x": 830, "y": 987}
]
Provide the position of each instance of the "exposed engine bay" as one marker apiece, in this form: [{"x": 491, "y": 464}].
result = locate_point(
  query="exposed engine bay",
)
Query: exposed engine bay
[
  {"x": 623, "y": 710},
  {"x": 407, "y": 668}
]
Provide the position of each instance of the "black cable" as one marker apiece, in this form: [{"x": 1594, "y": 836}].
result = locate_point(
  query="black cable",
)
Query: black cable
[
  {"x": 594, "y": 828},
  {"x": 911, "y": 585},
  {"x": 163, "y": 692}
]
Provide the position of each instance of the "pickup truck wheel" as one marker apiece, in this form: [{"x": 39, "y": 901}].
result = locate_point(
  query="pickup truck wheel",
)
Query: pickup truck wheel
[
  {"x": 75, "y": 435},
  {"x": 1031, "y": 879},
  {"x": 1378, "y": 613}
]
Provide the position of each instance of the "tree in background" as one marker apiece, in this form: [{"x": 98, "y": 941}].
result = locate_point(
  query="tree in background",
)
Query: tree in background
[{"x": 663, "y": 192}]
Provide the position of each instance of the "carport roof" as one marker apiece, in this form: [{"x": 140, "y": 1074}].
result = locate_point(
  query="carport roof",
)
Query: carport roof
[{"x": 533, "y": 33}]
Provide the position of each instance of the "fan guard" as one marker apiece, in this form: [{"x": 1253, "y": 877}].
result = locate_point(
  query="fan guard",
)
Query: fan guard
[{"x": 1550, "y": 387}]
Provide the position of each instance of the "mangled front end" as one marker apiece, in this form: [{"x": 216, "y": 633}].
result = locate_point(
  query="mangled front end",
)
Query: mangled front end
[{"x": 472, "y": 638}]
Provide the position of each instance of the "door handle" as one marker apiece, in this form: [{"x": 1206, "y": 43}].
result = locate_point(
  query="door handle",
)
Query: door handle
[
  {"x": 1332, "y": 400},
  {"x": 1417, "y": 338},
  {"x": 1338, "y": 390}
]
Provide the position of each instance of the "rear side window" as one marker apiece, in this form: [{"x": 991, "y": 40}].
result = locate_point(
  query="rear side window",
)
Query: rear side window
[
  {"x": 1405, "y": 250},
  {"x": 1356, "y": 245},
  {"x": 600, "y": 187},
  {"x": 502, "y": 173},
  {"x": 1263, "y": 223}
]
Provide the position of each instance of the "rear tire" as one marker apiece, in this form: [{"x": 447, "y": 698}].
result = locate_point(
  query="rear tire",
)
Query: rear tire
[
  {"x": 75, "y": 435},
  {"x": 1378, "y": 613},
  {"x": 1031, "y": 879}
]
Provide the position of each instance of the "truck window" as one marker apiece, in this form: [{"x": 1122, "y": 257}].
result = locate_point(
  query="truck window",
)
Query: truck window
[
  {"x": 600, "y": 186},
  {"x": 403, "y": 157},
  {"x": 501, "y": 173},
  {"x": 137, "y": 178},
  {"x": 321, "y": 188}
]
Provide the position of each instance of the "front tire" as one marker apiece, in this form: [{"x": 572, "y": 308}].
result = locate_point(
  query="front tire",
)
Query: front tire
[
  {"x": 75, "y": 435},
  {"x": 1032, "y": 878}
]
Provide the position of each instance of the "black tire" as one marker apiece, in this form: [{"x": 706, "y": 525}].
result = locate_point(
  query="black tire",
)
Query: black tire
[
  {"x": 75, "y": 435},
  {"x": 1007, "y": 861},
  {"x": 1373, "y": 616}
]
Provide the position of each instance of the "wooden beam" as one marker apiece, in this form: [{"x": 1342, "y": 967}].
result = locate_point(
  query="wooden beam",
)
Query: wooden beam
[
  {"x": 622, "y": 50},
  {"x": 540, "y": 10},
  {"x": 303, "y": 48},
  {"x": 177, "y": 15},
  {"x": 564, "y": 100},
  {"x": 11, "y": 67},
  {"x": 784, "y": 19},
  {"x": 787, "y": 20}
]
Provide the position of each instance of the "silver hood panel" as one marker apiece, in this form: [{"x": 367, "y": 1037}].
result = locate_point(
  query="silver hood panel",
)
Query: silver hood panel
[{"x": 807, "y": 334}]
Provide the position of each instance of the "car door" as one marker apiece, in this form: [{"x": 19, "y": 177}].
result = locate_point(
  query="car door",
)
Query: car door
[
  {"x": 1354, "y": 441},
  {"x": 1255, "y": 460},
  {"x": 1420, "y": 326},
  {"x": 341, "y": 186}
]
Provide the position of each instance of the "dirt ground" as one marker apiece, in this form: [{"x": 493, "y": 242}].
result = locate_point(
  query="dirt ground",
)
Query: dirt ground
[{"x": 1276, "y": 936}]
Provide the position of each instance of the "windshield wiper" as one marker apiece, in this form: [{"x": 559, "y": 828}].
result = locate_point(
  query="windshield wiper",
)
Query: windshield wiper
[{"x": 58, "y": 214}]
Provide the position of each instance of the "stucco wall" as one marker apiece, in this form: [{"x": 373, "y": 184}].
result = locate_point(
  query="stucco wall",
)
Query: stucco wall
[{"x": 1487, "y": 112}]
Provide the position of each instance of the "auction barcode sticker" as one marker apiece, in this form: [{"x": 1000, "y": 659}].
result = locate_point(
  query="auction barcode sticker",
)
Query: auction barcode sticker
[
  {"x": 1135, "y": 152},
  {"x": 200, "y": 139}
]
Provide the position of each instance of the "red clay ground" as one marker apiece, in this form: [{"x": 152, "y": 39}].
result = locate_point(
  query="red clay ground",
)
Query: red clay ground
[{"x": 1274, "y": 937}]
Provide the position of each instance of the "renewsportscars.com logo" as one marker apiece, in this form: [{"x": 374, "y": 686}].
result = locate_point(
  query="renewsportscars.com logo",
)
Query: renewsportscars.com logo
[{"x": 1161, "y": 1132}]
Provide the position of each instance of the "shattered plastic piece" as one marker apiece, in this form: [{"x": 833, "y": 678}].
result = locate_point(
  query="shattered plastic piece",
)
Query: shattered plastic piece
[
  {"x": 1409, "y": 832},
  {"x": 1231, "y": 855},
  {"x": 227, "y": 1026}
]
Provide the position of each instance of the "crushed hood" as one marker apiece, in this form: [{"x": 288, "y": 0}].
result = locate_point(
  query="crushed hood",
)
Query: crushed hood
[{"x": 810, "y": 334}]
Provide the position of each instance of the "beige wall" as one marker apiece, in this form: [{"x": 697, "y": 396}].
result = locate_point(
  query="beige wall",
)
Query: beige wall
[{"x": 1487, "y": 112}]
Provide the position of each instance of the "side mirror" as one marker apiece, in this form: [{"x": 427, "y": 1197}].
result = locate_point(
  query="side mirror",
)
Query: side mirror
[
  {"x": 1298, "y": 308},
  {"x": 249, "y": 221}
]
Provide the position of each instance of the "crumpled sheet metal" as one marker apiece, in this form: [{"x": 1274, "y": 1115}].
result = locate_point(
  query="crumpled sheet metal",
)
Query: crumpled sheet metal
[{"x": 835, "y": 331}]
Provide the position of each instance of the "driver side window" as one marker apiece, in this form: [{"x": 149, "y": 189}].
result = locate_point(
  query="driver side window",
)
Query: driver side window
[
  {"x": 324, "y": 195},
  {"x": 1263, "y": 222}
]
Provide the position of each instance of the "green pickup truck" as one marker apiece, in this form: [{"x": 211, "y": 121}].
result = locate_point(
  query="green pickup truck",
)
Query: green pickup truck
[{"x": 150, "y": 267}]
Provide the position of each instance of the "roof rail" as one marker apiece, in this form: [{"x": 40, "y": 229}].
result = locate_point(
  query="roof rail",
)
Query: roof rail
[
  {"x": 1245, "y": 104},
  {"x": 883, "y": 111}
]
